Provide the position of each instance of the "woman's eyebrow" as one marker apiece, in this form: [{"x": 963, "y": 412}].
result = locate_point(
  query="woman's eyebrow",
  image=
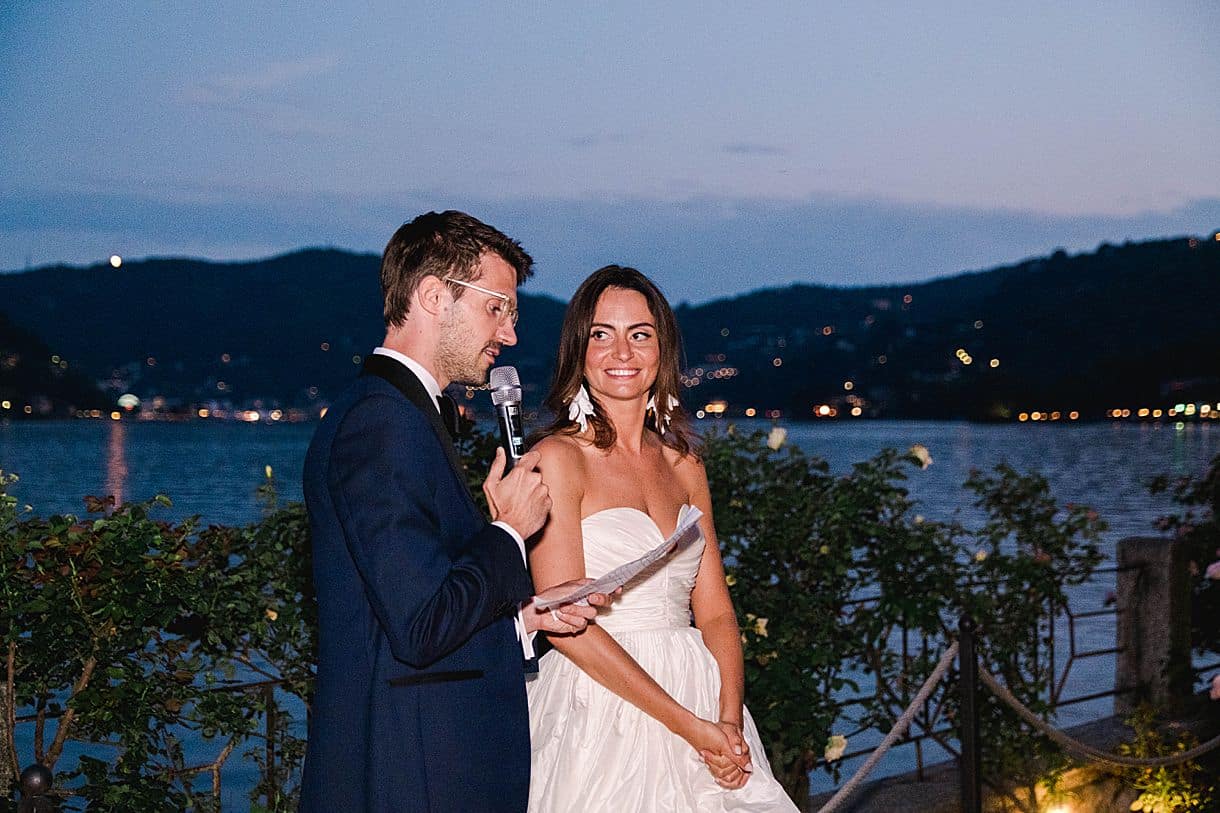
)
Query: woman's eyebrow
[{"x": 629, "y": 327}]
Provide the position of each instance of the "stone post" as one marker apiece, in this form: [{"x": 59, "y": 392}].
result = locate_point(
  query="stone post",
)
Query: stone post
[{"x": 1153, "y": 633}]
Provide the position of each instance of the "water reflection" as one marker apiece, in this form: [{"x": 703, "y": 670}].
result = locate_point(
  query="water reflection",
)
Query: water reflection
[{"x": 116, "y": 461}]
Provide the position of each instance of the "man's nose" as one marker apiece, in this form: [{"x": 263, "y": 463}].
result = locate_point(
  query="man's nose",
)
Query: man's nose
[{"x": 506, "y": 334}]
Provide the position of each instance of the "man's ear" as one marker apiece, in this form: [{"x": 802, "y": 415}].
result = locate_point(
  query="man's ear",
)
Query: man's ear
[{"x": 431, "y": 295}]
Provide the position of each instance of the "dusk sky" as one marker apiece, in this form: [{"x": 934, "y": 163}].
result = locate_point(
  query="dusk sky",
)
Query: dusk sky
[{"x": 719, "y": 147}]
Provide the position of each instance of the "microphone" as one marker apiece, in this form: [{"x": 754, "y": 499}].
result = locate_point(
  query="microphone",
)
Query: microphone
[{"x": 505, "y": 387}]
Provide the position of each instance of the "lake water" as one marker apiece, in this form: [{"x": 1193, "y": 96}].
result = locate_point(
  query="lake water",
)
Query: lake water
[{"x": 212, "y": 469}]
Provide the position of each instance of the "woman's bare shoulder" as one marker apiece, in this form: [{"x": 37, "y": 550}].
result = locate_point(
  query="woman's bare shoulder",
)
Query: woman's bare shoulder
[
  {"x": 684, "y": 465},
  {"x": 687, "y": 471},
  {"x": 560, "y": 452}
]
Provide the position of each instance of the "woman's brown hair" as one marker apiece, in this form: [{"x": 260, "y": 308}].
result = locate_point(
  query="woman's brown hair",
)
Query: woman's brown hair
[{"x": 570, "y": 363}]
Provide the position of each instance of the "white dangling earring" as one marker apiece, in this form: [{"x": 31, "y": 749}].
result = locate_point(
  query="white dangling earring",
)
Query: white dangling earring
[
  {"x": 581, "y": 408},
  {"x": 662, "y": 420}
]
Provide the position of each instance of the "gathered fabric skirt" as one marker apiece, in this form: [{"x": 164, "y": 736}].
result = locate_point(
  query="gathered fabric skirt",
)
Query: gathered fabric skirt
[{"x": 594, "y": 751}]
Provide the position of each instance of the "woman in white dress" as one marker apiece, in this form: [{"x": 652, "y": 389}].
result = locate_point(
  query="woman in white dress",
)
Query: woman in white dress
[{"x": 642, "y": 711}]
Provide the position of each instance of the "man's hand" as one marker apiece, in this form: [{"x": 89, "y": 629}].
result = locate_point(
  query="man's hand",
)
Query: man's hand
[
  {"x": 520, "y": 499},
  {"x": 566, "y": 618}
]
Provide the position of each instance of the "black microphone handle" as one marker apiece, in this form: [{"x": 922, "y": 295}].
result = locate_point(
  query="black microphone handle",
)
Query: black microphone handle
[{"x": 512, "y": 439}]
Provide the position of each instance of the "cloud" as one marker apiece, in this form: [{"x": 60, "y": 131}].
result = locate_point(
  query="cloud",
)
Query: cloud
[
  {"x": 752, "y": 148},
  {"x": 697, "y": 249},
  {"x": 588, "y": 140},
  {"x": 262, "y": 96},
  {"x": 262, "y": 81}
]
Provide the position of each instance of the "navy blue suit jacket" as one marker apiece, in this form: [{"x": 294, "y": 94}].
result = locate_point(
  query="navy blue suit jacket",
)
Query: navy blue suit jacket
[{"x": 420, "y": 702}]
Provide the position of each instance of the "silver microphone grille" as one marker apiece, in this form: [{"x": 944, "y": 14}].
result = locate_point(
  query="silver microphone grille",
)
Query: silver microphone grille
[
  {"x": 504, "y": 377},
  {"x": 506, "y": 395},
  {"x": 505, "y": 386}
]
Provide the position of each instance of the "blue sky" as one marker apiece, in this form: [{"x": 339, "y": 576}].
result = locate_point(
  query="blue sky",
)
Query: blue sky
[{"x": 716, "y": 146}]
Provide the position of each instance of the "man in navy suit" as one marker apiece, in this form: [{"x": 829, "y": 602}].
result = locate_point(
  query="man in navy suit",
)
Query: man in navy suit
[{"x": 424, "y": 624}]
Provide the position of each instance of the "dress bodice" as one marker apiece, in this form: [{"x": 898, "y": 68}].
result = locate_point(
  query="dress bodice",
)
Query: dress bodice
[{"x": 659, "y": 597}]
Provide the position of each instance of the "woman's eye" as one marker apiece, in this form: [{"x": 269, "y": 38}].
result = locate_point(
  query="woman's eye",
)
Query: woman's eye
[
  {"x": 642, "y": 336},
  {"x": 597, "y": 334}
]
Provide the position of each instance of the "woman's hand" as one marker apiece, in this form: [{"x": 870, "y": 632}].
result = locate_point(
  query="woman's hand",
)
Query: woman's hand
[{"x": 724, "y": 751}]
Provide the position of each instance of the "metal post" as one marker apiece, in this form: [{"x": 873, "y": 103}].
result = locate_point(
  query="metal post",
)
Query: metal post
[
  {"x": 36, "y": 781},
  {"x": 269, "y": 701},
  {"x": 968, "y": 735}
]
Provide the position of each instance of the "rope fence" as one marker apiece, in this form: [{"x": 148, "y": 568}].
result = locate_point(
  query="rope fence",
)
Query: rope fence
[
  {"x": 1082, "y": 749},
  {"x": 1069, "y": 744},
  {"x": 900, "y": 728}
]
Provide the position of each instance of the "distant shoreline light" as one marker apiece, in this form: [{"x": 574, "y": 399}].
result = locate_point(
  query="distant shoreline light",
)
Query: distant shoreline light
[{"x": 115, "y": 261}]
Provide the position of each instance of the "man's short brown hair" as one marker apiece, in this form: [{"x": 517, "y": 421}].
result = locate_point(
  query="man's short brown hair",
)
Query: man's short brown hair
[{"x": 448, "y": 244}]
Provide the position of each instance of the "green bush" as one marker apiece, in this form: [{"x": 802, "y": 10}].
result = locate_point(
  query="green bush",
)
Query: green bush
[
  {"x": 1181, "y": 788},
  {"x": 137, "y": 633},
  {"x": 126, "y": 632},
  {"x": 827, "y": 571}
]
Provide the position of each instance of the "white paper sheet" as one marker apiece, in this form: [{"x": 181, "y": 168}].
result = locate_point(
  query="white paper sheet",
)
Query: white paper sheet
[{"x": 685, "y": 534}]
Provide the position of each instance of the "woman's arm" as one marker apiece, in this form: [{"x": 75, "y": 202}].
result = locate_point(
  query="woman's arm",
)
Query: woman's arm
[
  {"x": 711, "y": 604},
  {"x": 558, "y": 556}
]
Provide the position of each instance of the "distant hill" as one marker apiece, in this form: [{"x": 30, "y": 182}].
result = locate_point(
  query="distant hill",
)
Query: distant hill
[
  {"x": 36, "y": 382},
  {"x": 282, "y": 331},
  {"x": 1123, "y": 325}
]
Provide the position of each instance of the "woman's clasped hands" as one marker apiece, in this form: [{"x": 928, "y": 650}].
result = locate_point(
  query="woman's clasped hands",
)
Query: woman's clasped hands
[{"x": 724, "y": 750}]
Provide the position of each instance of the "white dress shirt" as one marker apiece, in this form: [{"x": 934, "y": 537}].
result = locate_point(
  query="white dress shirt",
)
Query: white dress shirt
[{"x": 434, "y": 390}]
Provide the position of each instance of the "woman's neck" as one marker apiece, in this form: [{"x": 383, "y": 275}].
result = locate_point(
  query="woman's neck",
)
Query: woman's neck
[{"x": 627, "y": 417}]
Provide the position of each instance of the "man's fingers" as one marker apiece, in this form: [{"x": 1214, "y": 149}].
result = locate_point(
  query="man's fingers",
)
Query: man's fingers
[
  {"x": 562, "y": 615},
  {"x": 602, "y": 599},
  {"x": 575, "y": 616},
  {"x": 497, "y": 466},
  {"x": 527, "y": 462},
  {"x": 578, "y": 611}
]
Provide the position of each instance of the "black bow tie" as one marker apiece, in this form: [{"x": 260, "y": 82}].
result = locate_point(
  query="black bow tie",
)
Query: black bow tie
[{"x": 449, "y": 414}]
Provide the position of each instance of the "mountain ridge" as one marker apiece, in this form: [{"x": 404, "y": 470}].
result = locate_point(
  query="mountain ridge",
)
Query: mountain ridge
[{"x": 1126, "y": 322}]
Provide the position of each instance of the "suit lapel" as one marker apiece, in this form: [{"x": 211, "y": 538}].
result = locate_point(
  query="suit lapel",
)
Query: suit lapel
[{"x": 405, "y": 382}]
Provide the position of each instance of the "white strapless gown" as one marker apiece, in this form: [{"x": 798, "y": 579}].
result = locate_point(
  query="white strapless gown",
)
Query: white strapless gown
[{"x": 594, "y": 751}]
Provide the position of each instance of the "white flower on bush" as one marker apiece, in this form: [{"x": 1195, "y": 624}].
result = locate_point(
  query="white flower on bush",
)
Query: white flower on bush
[
  {"x": 776, "y": 437},
  {"x": 921, "y": 453},
  {"x": 835, "y": 746},
  {"x": 1213, "y": 571},
  {"x": 759, "y": 625}
]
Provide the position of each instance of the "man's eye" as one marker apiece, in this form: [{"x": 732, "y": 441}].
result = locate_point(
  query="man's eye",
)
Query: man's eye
[{"x": 495, "y": 308}]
